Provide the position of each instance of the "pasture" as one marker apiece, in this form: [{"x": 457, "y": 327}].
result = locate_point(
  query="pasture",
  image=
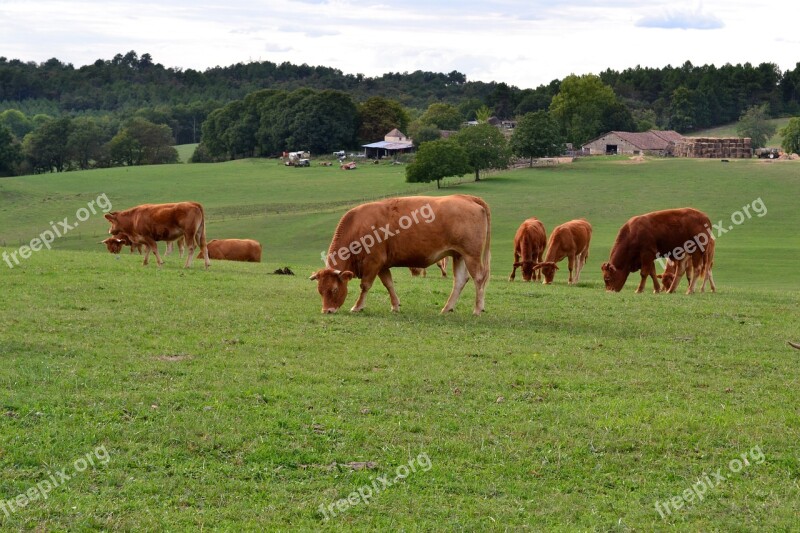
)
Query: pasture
[{"x": 225, "y": 400}]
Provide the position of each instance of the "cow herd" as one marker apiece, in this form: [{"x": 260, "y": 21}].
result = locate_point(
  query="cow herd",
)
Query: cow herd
[
  {"x": 184, "y": 222},
  {"x": 418, "y": 231}
]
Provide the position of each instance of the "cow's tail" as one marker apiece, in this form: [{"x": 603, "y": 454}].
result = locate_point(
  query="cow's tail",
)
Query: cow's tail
[
  {"x": 200, "y": 236},
  {"x": 486, "y": 253}
]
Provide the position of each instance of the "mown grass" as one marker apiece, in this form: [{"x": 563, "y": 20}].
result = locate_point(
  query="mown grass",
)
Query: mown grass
[{"x": 226, "y": 401}]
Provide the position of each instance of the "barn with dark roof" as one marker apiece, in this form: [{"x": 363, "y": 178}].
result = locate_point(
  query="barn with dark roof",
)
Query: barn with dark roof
[{"x": 653, "y": 142}]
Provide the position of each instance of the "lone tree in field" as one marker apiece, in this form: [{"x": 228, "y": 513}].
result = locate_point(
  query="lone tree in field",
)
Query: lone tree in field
[
  {"x": 754, "y": 124},
  {"x": 537, "y": 135},
  {"x": 791, "y": 137},
  {"x": 436, "y": 160},
  {"x": 486, "y": 148}
]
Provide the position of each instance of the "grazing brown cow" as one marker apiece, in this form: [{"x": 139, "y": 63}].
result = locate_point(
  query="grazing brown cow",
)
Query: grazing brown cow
[
  {"x": 146, "y": 224},
  {"x": 415, "y": 232},
  {"x": 571, "y": 240},
  {"x": 671, "y": 233},
  {"x": 246, "y": 250},
  {"x": 675, "y": 269},
  {"x": 115, "y": 243},
  {"x": 529, "y": 243},
  {"x": 441, "y": 263}
]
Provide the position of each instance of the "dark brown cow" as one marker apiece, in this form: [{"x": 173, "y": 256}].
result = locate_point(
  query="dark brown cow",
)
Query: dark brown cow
[
  {"x": 529, "y": 243},
  {"x": 571, "y": 240},
  {"x": 407, "y": 232},
  {"x": 146, "y": 224},
  {"x": 441, "y": 263},
  {"x": 246, "y": 250},
  {"x": 671, "y": 233}
]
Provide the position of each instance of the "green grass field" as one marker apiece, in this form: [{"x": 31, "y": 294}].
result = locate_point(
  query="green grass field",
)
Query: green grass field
[{"x": 224, "y": 400}]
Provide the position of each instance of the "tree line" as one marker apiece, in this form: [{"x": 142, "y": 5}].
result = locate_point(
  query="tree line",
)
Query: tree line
[{"x": 263, "y": 108}]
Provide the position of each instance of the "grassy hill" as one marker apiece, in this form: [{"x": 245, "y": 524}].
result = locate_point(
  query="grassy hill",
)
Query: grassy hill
[
  {"x": 223, "y": 399},
  {"x": 729, "y": 130}
]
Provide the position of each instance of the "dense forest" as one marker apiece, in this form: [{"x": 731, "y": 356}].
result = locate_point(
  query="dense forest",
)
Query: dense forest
[{"x": 131, "y": 94}]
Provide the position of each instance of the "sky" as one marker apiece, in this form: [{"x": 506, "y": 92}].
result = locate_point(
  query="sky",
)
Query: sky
[{"x": 521, "y": 43}]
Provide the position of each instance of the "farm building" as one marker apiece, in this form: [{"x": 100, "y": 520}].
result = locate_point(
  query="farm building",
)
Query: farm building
[
  {"x": 714, "y": 147},
  {"x": 653, "y": 142},
  {"x": 394, "y": 143}
]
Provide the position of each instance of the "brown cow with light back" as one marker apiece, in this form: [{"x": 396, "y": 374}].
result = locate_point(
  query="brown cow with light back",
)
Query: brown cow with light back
[
  {"x": 571, "y": 240},
  {"x": 414, "y": 231},
  {"x": 529, "y": 243},
  {"x": 149, "y": 223},
  {"x": 246, "y": 250},
  {"x": 670, "y": 233}
]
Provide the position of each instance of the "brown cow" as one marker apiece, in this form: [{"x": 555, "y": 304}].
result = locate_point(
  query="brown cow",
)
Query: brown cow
[
  {"x": 671, "y": 233},
  {"x": 675, "y": 269},
  {"x": 571, "y": 240},
  {"x": 146, "y": 224},
  {"x": 441, "y": 263},
  {"x": 246, "y": 250},
  {"x": 412, "y": 231},
  {"x": 529, "y": 243}
]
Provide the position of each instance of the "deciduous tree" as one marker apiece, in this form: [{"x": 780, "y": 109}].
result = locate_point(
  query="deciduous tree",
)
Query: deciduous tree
[
  {"x": 486, "y": 148},
  {"x": 754, "y": 123},
  {"x": 537, "y": 135},
  {"x": 436, "y": 160}
]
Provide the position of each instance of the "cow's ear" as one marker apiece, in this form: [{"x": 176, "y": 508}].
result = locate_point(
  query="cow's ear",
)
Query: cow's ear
[
  {"x": 346, "y": 275},
  {"x": 111, "y": 216},
  {"x": 555, "y": 266},
  {"x": 314, "y": 276},
  {"x": 518, "y": 264},
  {"x": 660, "y": 276}
]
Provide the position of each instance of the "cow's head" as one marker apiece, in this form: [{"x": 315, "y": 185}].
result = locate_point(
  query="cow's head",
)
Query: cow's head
[
  {"x": 113, "y": 244},
  {"x": 528, "y": 272},
  {"x": 548, "y": 269},
  {"x": 332, "y": 286},
  {"x": 115, "y": 225},
  {"x": 613, "y": 277}
]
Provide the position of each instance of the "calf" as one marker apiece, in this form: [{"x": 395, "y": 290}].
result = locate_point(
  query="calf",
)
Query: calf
[
  {"x": 571, "y": 240},
  {"x": 529, "y": 243}
]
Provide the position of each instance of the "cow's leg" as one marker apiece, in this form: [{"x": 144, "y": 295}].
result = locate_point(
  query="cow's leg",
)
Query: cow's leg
[
  {"x": 169, "y": 249},
  {"x": 579, "y": 261},
  {"x": 386, "y": 279},
  {"x": 191, "y": 240},
  {"x": 710, "y": 279},
  {"x": 696, "y": 265},
  {"x": 479, "y": 273},
  {"x": 152, "y": 245},
  {"x": 514, "y": 270},
  {"x": 442, "y": 264},
  {"x": 460, "y": 278},
  {"x": 366, "y": 283},
  {"x": 571, "y": 265}
]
